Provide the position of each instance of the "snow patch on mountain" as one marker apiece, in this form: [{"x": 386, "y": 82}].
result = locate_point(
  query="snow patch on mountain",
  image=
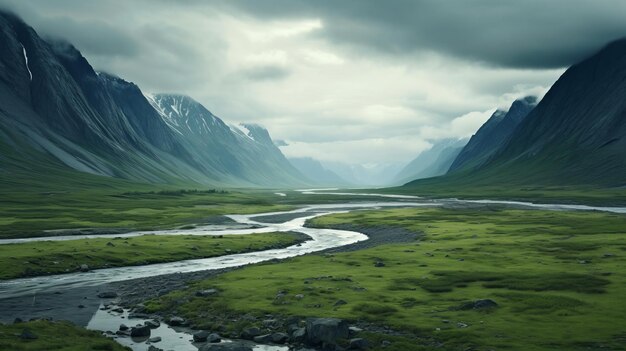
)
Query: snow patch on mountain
[{"x": 26, "y": 62}]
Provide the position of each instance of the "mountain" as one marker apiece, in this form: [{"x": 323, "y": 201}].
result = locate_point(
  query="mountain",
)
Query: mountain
[
  {"x": 317, "y": 173},
  {"x": 576, "y": 135},
  {"x": 364, "y": 175},
  {"x": 244, "y": 151},
  {"x": 57, "y": 112},
  {"x": 432, "y": 162},
  {"x": 491, "y": 135}
]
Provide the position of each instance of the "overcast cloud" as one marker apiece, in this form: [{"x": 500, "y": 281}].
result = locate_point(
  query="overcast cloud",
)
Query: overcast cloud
[{"x": 342, "y": 80}]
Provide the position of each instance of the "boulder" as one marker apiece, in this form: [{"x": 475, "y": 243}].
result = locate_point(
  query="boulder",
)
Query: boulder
[
  {"x": 206, "y": 292},
  {"x": 155, "y": 339},
  {"x": 231, "y": 346},
  {"x": 340, "y": 303},
  {"x": 326, "y": 330},
  {"x": 298, "y": 335},
  {"x": 28, "y": 335},
  {"x": 250, "y": 333},
  {"x": 83, "y": 268},
  {"x": 154, "y": 348},
  {"x": 176, "y": 321},
  {"x": 140, "y": 331},
  {"x": 152, "y": 323},
  {"x": 358, "y": 344},
  {"x": 263, "y": 339},
  {"x": 107, "y": 295},
  {"x": 214, "y": 338},
  {"x": 478, "y": 305},
  {"x": 201, "y": 336},
  {"x": 123, "y": 327},
  {"x": 279, "y": 338}
]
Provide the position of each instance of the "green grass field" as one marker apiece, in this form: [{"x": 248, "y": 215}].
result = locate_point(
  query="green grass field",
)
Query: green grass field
[
  {"x": 61, "y": 336},
  {"x": 24, "y": 214},
  {"x": 54, "y": 257},
  {"x": 557, "y": 277}
]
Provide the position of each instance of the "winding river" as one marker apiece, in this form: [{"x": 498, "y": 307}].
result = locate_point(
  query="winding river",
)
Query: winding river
[
  {"x": 294, "y": 220},
  {"x": 321, "y": 239}
]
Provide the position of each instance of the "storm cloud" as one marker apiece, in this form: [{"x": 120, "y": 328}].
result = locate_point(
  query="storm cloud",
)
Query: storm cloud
[{"x": 375, "y": 81}]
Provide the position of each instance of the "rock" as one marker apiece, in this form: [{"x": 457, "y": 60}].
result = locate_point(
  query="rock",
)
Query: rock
[
  {"x": 263, "y": 339},
  {"x": 385, "y": 343},
  {"x": 206, "y": 293},
  {"x": 298, "y": 335},
  {"x": 326, "y": 330},
  {"x": 117, "y": 310},
  {"x": 299, "y": 296},
  {"x": 354, "y": 330},
  {"x": 110, "y": 244},
  {"x": 201, "y": 336},
  {"x": 152, "y": 324},
  {"x": 123, "y": 327},
  {"x": 155, "y": 339},
  {"x": 478, "y": 305},
  {"x": 250, "y": 333},
  {"x": 81, "y": 306},
  {"x": 231, "y": 346},
  {"x": 358, "y": 344},
  {"x": 462, "y": 325},
  {"x": 214, "y": 338},
  {"x": 83, "y": 268},
  {"x": 270, "y": 323},
  {"x": 140, "y": 331},
  {"x": 107, "y": 295},
  {"x": 279, "y": 338},
  {"x": 340, "y": 303},
  {"x": 28, "y": 335},
  {"x": 154, "y": 348},
  {"x": 176, "y": 321},
  {"x": 379, "y": 264}
]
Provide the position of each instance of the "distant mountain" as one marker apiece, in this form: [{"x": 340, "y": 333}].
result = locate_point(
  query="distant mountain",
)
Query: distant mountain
[
  {"x": 364, "y": 175},
  {"x": 317, "y": 173},
  {"x": 432, "y": 162},
  {"x": 493, "y": 134},
  {"x": 576, "y": 135},
  {"x": 56, "y": 109},
  {"x": 245, "y": 152}
]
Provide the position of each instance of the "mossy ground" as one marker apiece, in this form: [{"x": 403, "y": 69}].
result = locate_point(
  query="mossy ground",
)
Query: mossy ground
[
  {"x": 60, "y": 336},
  {"x": 558, "y": 278},
  {"x": 53, "y": 257},
  {"x": 30, "y": 213}
]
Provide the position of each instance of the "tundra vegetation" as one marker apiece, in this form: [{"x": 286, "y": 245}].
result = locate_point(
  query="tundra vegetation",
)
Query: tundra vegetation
[{"x": 554, "y": 279}]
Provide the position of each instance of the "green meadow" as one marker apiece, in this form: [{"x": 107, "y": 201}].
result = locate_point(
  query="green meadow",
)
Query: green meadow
[
  {"x": 61, "y": 336},
  {"x": 54, "y": 257},
  {"x": 557, "y": 279}
]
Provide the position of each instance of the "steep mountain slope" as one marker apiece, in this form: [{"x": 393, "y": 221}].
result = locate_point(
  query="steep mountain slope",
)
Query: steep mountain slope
[
  {"x": 432, "y": 162},
  {"x": 244, "y": 152},
  {"x": 577, "y": 133},
  {"x": 493, "y": 134},
  {"x": 575, "y": 136},
  {"x": 317, "y": 173},
  {"x": 55, "y": 107}
]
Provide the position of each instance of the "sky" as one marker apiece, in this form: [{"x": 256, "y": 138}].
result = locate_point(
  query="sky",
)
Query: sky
[{"x": 354, "y": 81}]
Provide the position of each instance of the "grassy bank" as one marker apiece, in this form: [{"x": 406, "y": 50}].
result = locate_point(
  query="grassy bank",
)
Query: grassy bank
[
  {"x": 62, "y": 336},
  {"x": 467, "y": 186},
  {"x": 30, "y": 213},
  {"x": 54, "y": 257},
  {"x": 557, "y": 278}
]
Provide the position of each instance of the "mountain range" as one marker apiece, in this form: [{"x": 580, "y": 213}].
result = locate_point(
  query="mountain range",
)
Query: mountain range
[
  {"x": 431, "y": 162},
  {"x": 575, "y": 136},
  {"x": 57, "y": 111}
]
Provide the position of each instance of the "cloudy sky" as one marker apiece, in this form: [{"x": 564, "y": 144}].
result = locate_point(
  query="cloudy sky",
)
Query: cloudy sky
[{"x": 368, "y": 82}]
